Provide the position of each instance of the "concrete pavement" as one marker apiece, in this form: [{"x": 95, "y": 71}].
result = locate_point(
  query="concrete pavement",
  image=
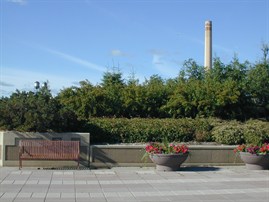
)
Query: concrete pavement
[{"x": 216, "y": 184}]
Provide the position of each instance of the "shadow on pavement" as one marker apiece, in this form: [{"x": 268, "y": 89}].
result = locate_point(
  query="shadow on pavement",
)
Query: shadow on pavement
[{"x": 199, "y": 169}]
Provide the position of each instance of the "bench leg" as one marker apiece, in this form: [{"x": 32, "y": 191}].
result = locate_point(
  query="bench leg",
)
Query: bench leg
[
  {"x": 20, "y": 164},
  {"x": 78, "y": 165}
]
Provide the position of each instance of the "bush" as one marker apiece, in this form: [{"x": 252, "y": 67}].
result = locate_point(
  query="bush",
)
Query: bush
[
  {"x": 123, "y": 130},
  {"x": 203, "y": 129},
  {"x": 228, "y": 133},
  {"x": 256, "y": 132}
]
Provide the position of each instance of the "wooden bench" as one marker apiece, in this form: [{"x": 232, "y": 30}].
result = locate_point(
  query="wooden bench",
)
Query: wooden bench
[{"x": 48, "y": 150}]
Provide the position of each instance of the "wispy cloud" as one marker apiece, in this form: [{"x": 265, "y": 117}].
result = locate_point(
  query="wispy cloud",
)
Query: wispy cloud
[
  {"x": 157, "y": 52},
  {"x": 191, "y": 39},
  {"x": 6, "y": 84},
  {"x": 20, "y": 2},
  {"x": 77, "y": 60},
  {"x": 164, "y": 65},
  {"x": 116, "y": 52},
  {"x": 200, "y": 42},
  {"x": 24, "y": 80}
]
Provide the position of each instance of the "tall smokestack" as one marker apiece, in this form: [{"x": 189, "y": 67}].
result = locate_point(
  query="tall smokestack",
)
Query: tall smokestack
[{"x": 208, "y": 45}]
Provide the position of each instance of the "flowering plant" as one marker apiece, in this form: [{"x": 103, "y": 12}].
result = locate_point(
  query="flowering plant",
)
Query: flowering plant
[
  {"x": 165, "y": 148},
  {"x": 253, "y": 149}
]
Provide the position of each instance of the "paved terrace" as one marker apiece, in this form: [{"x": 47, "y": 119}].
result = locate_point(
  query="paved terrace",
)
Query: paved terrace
[{"x": 134, "y": 184}]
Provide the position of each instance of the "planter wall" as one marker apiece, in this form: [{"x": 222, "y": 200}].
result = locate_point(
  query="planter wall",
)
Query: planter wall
[
  {"x": 110, "y": 155},
  {"x": 130, "y": 155}
]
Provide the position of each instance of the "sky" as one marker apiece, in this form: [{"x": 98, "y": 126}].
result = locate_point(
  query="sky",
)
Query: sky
[{"x": 67, "y": 41}]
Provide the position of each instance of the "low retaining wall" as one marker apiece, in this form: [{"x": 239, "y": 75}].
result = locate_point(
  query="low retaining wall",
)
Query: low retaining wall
[
  {"x": 108, "y": 155},
  {"x": 131, "y": 155}
]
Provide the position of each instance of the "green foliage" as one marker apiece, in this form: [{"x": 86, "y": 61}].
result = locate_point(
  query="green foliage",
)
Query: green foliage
[
  {"x": 112, "y": 86},
  {"x": 155, "y": 96},
  {"x": 29, "y": 111},
  {"x": 79, "y": 100},
  {"x": 256, "y": 132},
  {"x": 203, "y": 129},
  {"x": 258, "y": 89},
  {"x": 236, "y": 90},
  {"x": 233, "y": 91},
  {"x": 122, "y": 130},
  {"x": 230, "y": 133}
]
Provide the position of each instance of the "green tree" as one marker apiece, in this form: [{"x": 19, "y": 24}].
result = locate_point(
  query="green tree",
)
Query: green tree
[
  {"x": 79, "y": 100},
  {"x": 133, "y": 99},
  {"x": 258, "y": 88},
  {"x": 156, "y": 96},
  {"x": 112, "y": 90},
  {"x": 23, "y": 111}
]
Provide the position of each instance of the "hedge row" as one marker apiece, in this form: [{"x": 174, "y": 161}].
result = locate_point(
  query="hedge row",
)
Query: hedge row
[{"x": 123, "y": 130}]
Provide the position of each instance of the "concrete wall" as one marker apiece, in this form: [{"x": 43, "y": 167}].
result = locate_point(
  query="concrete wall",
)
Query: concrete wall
[
  {"x": 9, "y": 153},
  {"x": 108, "y": 155},
  {"x": 131, "y": 155}
]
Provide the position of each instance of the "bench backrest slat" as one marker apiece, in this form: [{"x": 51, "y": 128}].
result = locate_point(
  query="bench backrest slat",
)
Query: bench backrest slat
[{"x": 47, "y": 149}]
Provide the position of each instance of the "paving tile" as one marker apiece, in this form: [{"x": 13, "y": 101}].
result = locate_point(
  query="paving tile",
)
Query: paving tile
[
  {"x": 28, "y": 200},
  {"x": 122, "y": 199},
  {"x": 134, "y": 184},
  {"x": 8, "y": 195},
  {"x": 97, "y": 195},
  {"x": 68, "y": 182},
  {"x": 39, "y": 195},
  {"x": 10, "y": 187},
  {"x": 68, "y": 195},
  {"x": 7, "y": 182},
  {"x": 43, "y": 182},
  {"x": 19, "y": 182},
  {"x": 82, "y": 195},
  {"x": 24, "y": 195},
  {"x": 152, "y": 198},
  {"x": 56, "y": 182},
  {"x": 59, "y": 200},
  {"x": 53, "y": 195},
  {"x": 31, "y": 182},
  {"x": 92, "y": 200},
  {"x": 80, "y": 182},
  {"x": 125, "y": 194}
]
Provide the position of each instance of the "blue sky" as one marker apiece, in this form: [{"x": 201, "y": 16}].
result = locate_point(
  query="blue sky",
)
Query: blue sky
[{"x": 67, "y": 41}]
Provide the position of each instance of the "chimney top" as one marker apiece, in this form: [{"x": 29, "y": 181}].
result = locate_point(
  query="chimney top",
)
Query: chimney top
[{"x": 208, "y": 22}]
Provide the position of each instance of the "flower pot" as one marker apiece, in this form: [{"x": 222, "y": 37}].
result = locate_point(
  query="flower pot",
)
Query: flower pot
[
  {"x": 254, "y": 161},
  {"x": 168, "y": 162}
]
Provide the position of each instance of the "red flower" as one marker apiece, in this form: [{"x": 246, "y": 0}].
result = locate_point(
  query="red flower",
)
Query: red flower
[
  {"x": 162, "y": 148},
  {"x": 253, "y": 149}
]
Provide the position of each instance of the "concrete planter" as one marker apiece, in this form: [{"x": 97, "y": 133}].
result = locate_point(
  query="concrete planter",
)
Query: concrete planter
[
  {"x": 254, "y": 161},
  {"x": 168, "y": 162}
]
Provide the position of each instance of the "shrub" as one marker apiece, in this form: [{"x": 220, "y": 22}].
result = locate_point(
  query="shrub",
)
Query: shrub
[
  {"x": 228, "y": 133},
  {"x": 256, "y": 132},
  {"x": 203, "y": 129},
  {"x": 123, "y": 130}
]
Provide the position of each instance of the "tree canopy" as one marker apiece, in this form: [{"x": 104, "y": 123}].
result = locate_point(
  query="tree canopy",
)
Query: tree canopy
[{"x": 228, "y": 91}]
